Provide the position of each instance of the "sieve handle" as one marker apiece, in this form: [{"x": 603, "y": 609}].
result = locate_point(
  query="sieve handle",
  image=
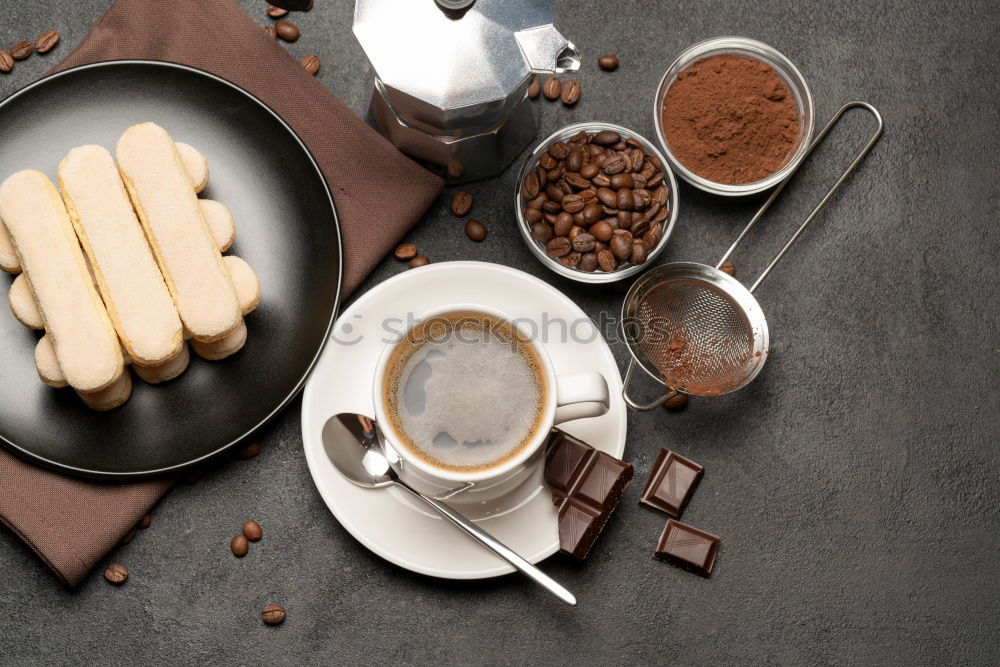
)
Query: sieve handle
[
  {"x": 843, "y": 177},
  {"x": 642, "y": 407}
]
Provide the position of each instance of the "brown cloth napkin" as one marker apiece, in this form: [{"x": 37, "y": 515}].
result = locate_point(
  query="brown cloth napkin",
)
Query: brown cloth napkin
[{"x": 379, "y": 194}]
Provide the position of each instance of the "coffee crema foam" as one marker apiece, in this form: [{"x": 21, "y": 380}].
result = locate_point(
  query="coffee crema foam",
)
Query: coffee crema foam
[{"x": 464, "y": 392}]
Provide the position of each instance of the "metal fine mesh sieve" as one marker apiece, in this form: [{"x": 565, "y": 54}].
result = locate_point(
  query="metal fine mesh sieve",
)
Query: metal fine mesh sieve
[{"x": 698, "y": 330}]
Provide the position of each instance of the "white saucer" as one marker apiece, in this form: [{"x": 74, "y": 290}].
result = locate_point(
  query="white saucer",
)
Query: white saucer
[{"x": 390, "y": 522}]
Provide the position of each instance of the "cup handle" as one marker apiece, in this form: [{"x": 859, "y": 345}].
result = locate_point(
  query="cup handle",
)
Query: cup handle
[{"x": 581, "y": 395}]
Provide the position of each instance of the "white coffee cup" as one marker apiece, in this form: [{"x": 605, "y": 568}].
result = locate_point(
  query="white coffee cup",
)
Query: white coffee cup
[{"x": 568, "y": 397}]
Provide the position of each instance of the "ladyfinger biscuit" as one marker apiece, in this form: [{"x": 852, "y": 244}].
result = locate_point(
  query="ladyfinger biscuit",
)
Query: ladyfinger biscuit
[
  {"x": 220, "y": 222},
  {"x": 195, "y": 164},
  {"x": 47, "y": 365},
  {"x": 22, "y": 303},
  {"x": 8, "y": 258},
  {"x": 176, "y": 229},
  {"x": 134, "y": 293},
  {"x": 166, "y": 371},
  {"x": 109, "y": 397},
  {"x": 224, "y": 347},
  {"x": 84, "y": 340},
  {"x": 245, "y": 281}
]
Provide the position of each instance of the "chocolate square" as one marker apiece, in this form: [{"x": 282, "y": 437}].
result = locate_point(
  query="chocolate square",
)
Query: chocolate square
[
  {"x": 687, "y": 547},
  {"x": 566, "y": 458},
  {"x": 672, "y": 481}
]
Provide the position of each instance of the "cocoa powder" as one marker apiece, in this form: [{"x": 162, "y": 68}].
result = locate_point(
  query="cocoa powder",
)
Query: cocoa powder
[{"x": 730, "y": 119}]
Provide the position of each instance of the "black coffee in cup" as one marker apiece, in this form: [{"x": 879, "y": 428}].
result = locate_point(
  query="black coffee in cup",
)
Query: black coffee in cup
[{"x": 465, "y": 391}]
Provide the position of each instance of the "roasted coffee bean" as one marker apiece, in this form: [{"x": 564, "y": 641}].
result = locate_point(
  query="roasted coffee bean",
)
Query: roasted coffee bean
[
  {"x": 588, "y": 194},
  {"x": 608, "y": 62},
  {"x": 577, "y": 181},
  {"x": 461, "y": 203},
  {"x": 602, "y": 230},
  {"x": 607, "y": 138},
  {"x": 635, "y": 159},
  {"x": 286, "y": 31},
  {"x": 552, "y": 88},
  {"x": 609, "y": 211},
  {"x": 252, "y": 530},
  {"x": 571, "y": 92},
  {"x": 6, "y": 61},
  {"x": 269, "y": 31},
  {"x": 728, "y": 267},
  {"x": 655, "y": 179},
  {"x": 574, "y": 160},
  {"x": 273, "y": 614},
  {"x": 620, "y": 146},
  {"x": 550, "y": 206},
  {"x": 608, "y": 197},
  {"x": 641, "y": 199},
  {"x": 638, "y": 227},
  {"x": 558, "y": 246},
  {"x": 276, "y": 12},
  {"x": 546, "y": 161},
  {"x": 20, "y": 51},
  {"x": 625, "y": 200},
  {"x": 310, "y": 63},
  {"x": 677, "y": 402},
  {"x": 573, "y": 203},
  {"x": 146, "y": 521},
  {"x": 541, "y": 232},
  {"x": 655, "y": 161},
  {"x": 615, "y": 164},
  {"x": 129, "y": 536},
  {"x": 619, "y": 181},
  {"x": 588, "y": 262},
  {"x": 638, "y": 180},
  {"x": 661, "y": 216},
  {"x": 559, "y": 150},
  {"x": 625, "y": 219},
  {"x": 250, "y": 451},
  {"x": 563, "y": 223},
  {"x": 590, "y": 170},
  {"x": 418, "y": 261},
  {"x": 592, "y": 212},
  {"x": 583, "y": 242},
  {"x": 632, "y": 142},
  {"x": 116, "y": 573},
  {"x": 534, "y": 88},
  {"x": 652, "y": 235},
  {"x": 537, "y": 202},
  {"x": 601, "y": 180},
  {"x": 606, "y": 260},
  {"x": 543, "y": 178},
  {"x": 572, "y": 260},
  {"x": 530, "y": 186},
  {"x": 554, "y": 174},
  {"x": 574, "y": 231},
  {"x": 639, "y": 253},
  {"x": 239, "y": 545},
  {"x": 405, "y": 251},
  {"x": 475, "y": 230},
  {"x": 46, "y": 41},
  {"x": 621, "y": 244},
  {"x": 532, "y": 215}
]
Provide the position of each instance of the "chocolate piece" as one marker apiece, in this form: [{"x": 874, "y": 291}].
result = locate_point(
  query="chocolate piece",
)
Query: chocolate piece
[
  {"x": 687, "y": 547},
  {"x": 672, "y": 481},
  {"x": 586, "y": 487}
]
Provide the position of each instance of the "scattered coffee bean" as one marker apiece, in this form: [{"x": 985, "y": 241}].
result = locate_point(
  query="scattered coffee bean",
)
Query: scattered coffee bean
[
  {"x": 252, "y": 530},
  {"x": 552, "y": 88},
  {"x": 729, "y": 267},
  {"x": 286, "y": 31},
  {"x": 534, "y": 88},
  {"x": 475, "y": 230},
  {"x": 675, "y": 403},
  {"x": 571, "y": 92},
  {"x": 405, "y": 251},
  {"x": 276, "y": 12},
  {"x": 6, "y": 61},
  {"x": 461, "y": 204},
  {"x": 608, "y": 62},
  {"x": 419, "y": 261},
  {"x": 21, "y": 50},
  {"x": 270, "y": 32},
  {"x": 250, "y": 451},
  {"x": 46, "y": 41},
  {"x": 129, "y": 536},
  {"x": 146, "y": 521},
  {"x": 310, "y": 63},
  {"x": 239, "y": 545},
  {"x": 116, "y": 573},
  {"x": 272, "y": 614}
]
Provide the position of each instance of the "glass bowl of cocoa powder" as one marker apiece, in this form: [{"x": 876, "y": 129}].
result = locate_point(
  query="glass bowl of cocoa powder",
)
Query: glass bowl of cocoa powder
[
  {"x": 596, "y": 202},
  {"x": 733, "y": 115}
]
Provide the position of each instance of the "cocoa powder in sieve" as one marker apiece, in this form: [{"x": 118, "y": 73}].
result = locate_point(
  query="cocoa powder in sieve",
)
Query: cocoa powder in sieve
[{"x": 730, "y": 119}]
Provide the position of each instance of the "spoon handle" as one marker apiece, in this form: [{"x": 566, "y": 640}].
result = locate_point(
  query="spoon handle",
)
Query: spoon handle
[{"x": 497, "y": 547}]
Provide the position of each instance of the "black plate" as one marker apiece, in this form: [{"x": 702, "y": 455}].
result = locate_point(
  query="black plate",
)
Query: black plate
[{"x": 286, "y": 228}]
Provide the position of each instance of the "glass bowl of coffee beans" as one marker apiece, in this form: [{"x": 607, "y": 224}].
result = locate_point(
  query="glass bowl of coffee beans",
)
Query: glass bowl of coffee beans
[{"x": 596, "y": 202}]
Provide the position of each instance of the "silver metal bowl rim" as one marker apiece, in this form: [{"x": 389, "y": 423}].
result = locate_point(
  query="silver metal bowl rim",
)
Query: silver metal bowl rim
[
  {"x": 734, "y": 288},
  {"x": 754, "y": 49},
  {"x": 596, "y": 277}
]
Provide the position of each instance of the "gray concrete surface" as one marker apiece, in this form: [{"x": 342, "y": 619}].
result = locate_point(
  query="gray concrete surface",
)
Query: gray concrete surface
[{"x": 855, "y": 484}]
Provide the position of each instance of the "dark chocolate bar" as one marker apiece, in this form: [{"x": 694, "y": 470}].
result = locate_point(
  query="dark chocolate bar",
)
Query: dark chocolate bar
[
  {"x": 671, "y": 483},
  {"x": 586, "y": 487},
  {"x": 687, "y": 547}
]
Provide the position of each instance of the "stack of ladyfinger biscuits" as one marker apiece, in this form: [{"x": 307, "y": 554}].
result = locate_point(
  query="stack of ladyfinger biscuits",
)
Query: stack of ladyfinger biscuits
[{"x": 123, "y": 265}]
